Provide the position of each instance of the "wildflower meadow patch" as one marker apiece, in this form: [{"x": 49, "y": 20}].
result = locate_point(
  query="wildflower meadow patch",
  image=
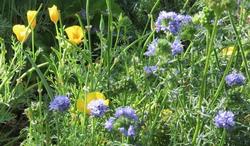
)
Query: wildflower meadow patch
[{"x": 90, "y": 73}]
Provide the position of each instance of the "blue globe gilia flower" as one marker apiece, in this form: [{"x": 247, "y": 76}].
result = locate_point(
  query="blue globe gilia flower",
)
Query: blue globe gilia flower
[
  {"x": 125, "y": 119},
  {"x": 127, "y": 112},
  {"x": 234, "y": 79},
  {"x": 109, "y": 124},
  {"x": 59, "y": 103},
  {"x": 131, "y": 130},
  {"x": 171, "y": 21},
  {"x": 150, "y": 69},
  {"x": 152, "y": 48},
  {"x": 224, "y": 119},
  {"x": 97, "y": 107},
  {"x": 177, "y": 47}
]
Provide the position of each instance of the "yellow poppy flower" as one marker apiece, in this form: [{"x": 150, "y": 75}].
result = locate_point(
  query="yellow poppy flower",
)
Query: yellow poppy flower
[
  {"x": 75, "y": 34},
  {"x": 82, "y": 106},
  {"x": 31, "y": 16},
  {"x": 54, "y": 14},
  {"x": 228, "y": 51},
  {"x": 21, "y": 32}
]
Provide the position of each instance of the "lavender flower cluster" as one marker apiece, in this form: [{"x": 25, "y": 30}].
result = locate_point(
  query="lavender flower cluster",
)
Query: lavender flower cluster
[
  {"x": 60, "y": 103},
  {"x": 127, "y": 129},
  {"x": 177, "y": 47},
  {"x": 171, "y": 21},
  {"x": 150, "y": 69},
  {"x": 167, "y": 21},
  {"x": 97, "y": 108},
  {"x": 235, "y": 79},
  {"x": 224, "y": 119},
  {"x": 151, "y": 50}
]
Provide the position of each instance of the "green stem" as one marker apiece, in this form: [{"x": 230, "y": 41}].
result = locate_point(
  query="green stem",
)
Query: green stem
[
  {"x": 224, "y": 134},
  {"x": 108, "y": 2},
  {"x": 187, "y": 51},
  {"x": 217, "y": 59},
  {"x": 93, "y": 131},
  {"x": 150, "y": 16},
  {"x": 60, "y": 57},
  {"x": 222, "y": 82},
  {"x": 44, "y": 81},
  {"x": 117, "y": 35},
  {"x": 57, "y": 127},
  {"x": 82, "y": 26},
  {"x": 181, "y": 98},
  {"x": 33, "y": 44},
  {"x": 30, "y": 70},
  {"x": 58, "y": 37},
  {"x": 88, "y": 24},
  {"x": 239, "y": 44},
  {"x": 203, "y": 85},
  {"x": 185, "y": 5}
]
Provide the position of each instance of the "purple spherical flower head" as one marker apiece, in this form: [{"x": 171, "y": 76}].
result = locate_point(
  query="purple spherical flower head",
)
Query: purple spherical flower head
[
  {"x": 60, "y": 103},
  {"x": 174, "y": 27},
  {"x": 131, "y": 130},
  {"x": 97, "y": 108},
  {"x": 224, "y": 119},
  {"x": 235, "y": 79},
  {"x": 177, "y": 47},
  {"x": 109, "y": 124},
  {"x": 126, "y": 112},
  {"x": 171, "y": 21},
  {"x": 161, "y": 22},
  {"x": 150, "y": 69},
  {"x": 152, "y": 48}
]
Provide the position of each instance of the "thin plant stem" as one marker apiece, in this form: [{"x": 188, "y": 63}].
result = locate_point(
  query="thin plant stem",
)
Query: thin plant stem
[
  {"x": 33, "y": 44},
  {"x": 239, "y": 43},
  {"x": 93, "y": 130},
  {"x": 118, "y": 34},
  {"x": 44, "y": 81},
  {"x": 31, "y": 70},
  {"x": 150, "y": 16},
  {"x": 224, "y": 134},
  {"x": 222, "y": 82},
  {"x": 110, "y": 31},
  {"x": 185, "y": 5},
  {"x": 203, "y": 85},
  {"x": 88, "y": 24}
]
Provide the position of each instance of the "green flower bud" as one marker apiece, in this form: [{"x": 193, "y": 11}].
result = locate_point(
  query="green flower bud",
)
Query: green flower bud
[
  {"x": 206, "y": 16},
  {"x": 218, "y": 6},
  {"x": 162, "y": 43}
]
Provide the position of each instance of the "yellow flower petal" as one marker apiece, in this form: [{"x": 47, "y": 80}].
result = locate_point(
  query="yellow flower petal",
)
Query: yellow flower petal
[
  {"x": 75, "y": 34},
  {"x": 81, "y": 107},
  {"x": 106, "y": 102},
  {"x": 54, "y": 14},
  {"x": 31, "y": 16},
  {"x": 228, "y": 51},
  {"x": 95, "y": 95},
  {"x": 21, "y": 32}
]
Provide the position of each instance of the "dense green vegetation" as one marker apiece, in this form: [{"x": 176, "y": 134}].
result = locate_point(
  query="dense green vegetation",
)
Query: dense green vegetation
[{"x": 124, "y": 72}]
